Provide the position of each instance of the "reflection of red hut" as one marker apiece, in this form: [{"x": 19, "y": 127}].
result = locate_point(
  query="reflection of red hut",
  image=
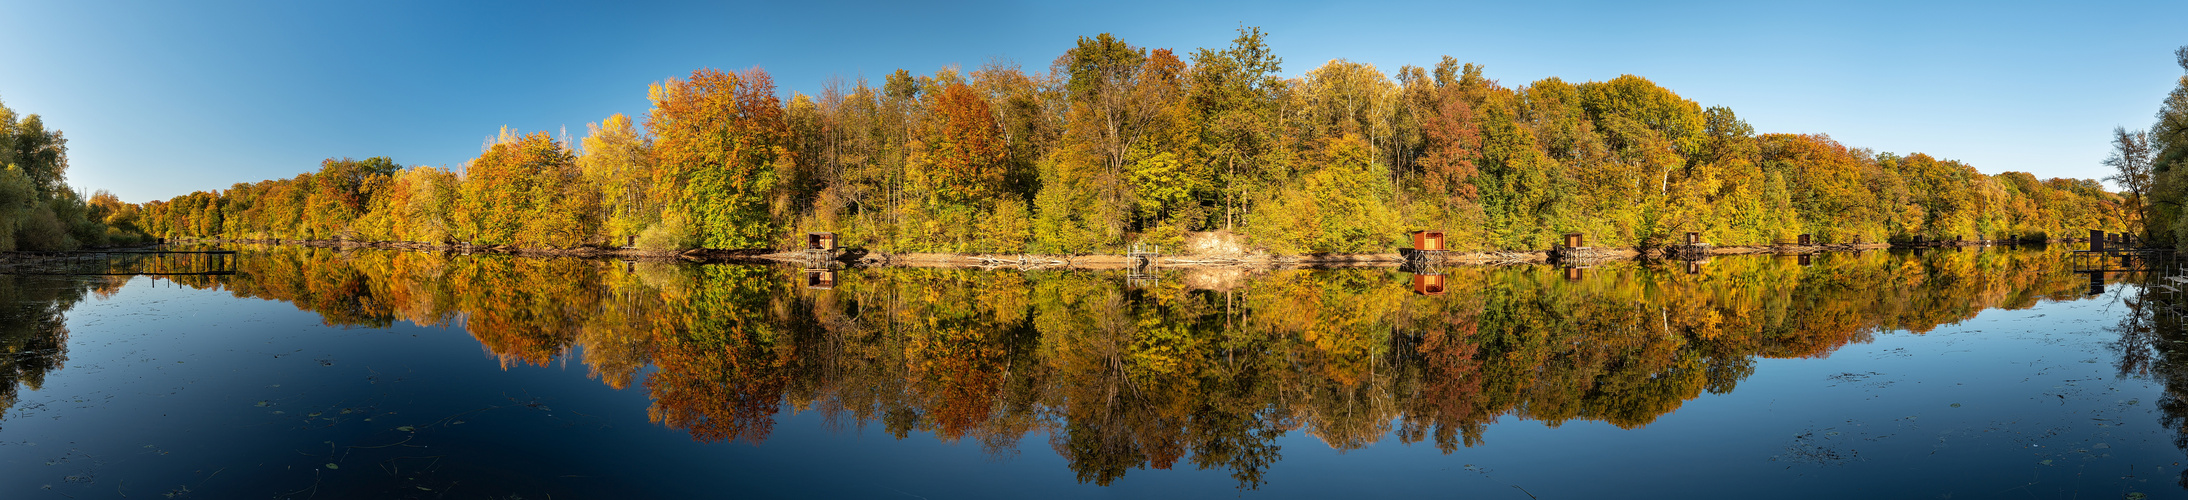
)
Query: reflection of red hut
[
  {"x": 1428, "y": 284},
  {"x": 820, "y": 279},
  {"x": 1428, "y": 241}
]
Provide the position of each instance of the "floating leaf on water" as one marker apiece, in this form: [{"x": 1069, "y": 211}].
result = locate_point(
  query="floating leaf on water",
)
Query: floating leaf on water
[
  {"x": 2134, "y": 401},
  {"x": 406, "y": 428},
  {"x": 2046, "y": 462},
  {"x": 312, "y": 414},
  {"x": 278, "y": 412},
  {"x": 1956, "y": 405},
  {"x": 425, "y": 488},
  {"x": 2136, "y": 495},
  {"x": 263, "y": 404},
  {"x": 2100, "y": 446},
  {"x": 333, "y": 466}
]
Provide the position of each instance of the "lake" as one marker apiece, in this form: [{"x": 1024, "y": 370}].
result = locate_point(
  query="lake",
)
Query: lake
[{"x": 322, "y": 373}]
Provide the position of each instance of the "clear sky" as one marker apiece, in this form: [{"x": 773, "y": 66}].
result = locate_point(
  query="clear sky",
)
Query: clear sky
[{"x": 163, "y": 98}]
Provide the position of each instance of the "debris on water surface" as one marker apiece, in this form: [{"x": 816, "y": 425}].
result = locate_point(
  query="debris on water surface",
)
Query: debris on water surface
[
  {"x": 2100, "y": 446},
  {"x": 333, "y": 466},
  {"x": 2045, "y": 462},
  {"x": 263, "y": 404},
  {"x": 2136, "y": 495},
  {"x": 406, "y": 428},
  {"x": 1956, "y": 405}
]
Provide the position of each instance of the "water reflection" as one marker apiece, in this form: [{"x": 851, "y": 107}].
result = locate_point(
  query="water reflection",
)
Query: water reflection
[
  {"x": 32, "y": 332},
  {"x": 1200, "y": 371},
  {"x": 1199, "y": 368}
]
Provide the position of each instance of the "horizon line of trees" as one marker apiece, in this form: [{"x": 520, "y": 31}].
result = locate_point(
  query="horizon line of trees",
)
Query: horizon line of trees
[{"x": 1117, "y": 144}]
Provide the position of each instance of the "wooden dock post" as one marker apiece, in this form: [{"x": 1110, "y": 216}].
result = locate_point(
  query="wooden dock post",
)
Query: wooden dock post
[{"x": 2096, "y": 240}]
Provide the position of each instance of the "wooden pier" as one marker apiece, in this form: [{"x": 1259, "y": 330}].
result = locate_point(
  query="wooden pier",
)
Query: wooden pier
[
  {"x": 1575, "y": 250},
  {"x": 1139, "y": 264}
]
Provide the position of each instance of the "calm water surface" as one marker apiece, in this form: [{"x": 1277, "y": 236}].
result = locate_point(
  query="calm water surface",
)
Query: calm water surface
[{"x": 315, "y": 373}]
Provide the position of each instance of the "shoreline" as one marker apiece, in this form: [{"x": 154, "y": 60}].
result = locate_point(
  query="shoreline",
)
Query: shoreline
[{"x": 862, "y": 257}]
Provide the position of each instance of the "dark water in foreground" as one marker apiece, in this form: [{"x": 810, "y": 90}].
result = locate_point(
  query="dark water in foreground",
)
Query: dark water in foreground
[{"x": 314, "y": 373}]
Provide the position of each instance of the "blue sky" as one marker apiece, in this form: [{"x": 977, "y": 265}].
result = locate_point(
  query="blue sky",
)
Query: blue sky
[{"x": 163, "y": 98}]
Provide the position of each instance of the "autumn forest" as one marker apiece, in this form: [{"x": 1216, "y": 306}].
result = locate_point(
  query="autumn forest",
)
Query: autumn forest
[{"x": 1117, "y": 144}]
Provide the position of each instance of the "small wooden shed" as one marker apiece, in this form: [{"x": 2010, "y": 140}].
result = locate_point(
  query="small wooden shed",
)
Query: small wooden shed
[
  {"x": 1428, "y": 241},
  {"x": 1694, "y": 238},
  {"x": 1575, "y": 240},
  {"x": 820, "y": 241},
  {"x": 1804, "y": 240}
]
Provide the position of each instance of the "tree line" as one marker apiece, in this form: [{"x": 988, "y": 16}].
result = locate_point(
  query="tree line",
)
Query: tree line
[
  {"x": 2151, "y": 166},
  {"x": 38, "y": 210},
  {"x": 1116, "y": 144},
  {"x": 1164, "y": 376}
]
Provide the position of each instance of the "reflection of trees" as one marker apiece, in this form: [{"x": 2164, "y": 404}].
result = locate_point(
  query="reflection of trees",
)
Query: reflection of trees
[
  {"x": 2152, "y": 334},
  {"x": 33, "y": 333},
  {"x": 1121, "y": 379}
]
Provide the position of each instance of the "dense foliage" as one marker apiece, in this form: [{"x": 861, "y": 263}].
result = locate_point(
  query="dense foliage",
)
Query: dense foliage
[
  {"x": 38, "y": 211},
  {"x": 1117, "y": 144},
  {"x": 2154, "y": 163},
  {"x": 1170, "y": 375}
]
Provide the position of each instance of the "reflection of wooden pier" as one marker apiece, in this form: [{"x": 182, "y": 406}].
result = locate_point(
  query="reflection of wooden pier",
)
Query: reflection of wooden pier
[{"x": 132, "y": 263}]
